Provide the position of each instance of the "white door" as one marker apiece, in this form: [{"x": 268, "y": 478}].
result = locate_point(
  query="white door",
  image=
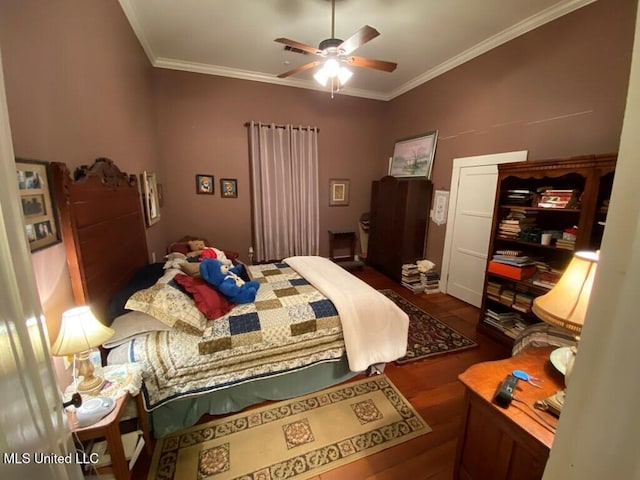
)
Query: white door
[{"x": 473, "y": 190}]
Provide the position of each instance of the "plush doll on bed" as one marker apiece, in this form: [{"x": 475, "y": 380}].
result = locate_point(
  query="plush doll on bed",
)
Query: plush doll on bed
[
  {"x": 199, "y": 251},
  {"x": 228, "y": 282}
]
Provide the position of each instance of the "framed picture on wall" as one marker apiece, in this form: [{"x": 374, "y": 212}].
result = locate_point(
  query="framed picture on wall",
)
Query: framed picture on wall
[
  {"x": 150, "y": 198},
  {"x": 338, "y": 192},
  {"x": 413, "y": 156},
  {"x": 229, "y": 188},
  {"x": 204, "y": 184},
  {"x": 37, "y": 203}
]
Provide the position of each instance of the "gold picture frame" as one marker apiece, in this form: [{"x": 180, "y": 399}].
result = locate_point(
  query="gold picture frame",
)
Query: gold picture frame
[
  {"x": 150, "y": 198},
  {"x": 413, "y": 156},
  {"x": 37, "y": 203},
  {"x": 339, "y": 192}
]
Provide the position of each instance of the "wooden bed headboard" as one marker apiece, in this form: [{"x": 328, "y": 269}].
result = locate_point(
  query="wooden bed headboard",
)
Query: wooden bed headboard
[{"x": 102, "y": 228}]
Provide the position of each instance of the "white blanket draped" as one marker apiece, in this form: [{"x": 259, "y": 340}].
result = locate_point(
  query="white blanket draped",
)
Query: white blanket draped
[{"x": 375, "y": 329}]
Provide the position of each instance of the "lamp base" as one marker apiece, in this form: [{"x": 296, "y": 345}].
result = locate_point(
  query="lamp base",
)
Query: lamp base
[{"x": 90, "y": 384}]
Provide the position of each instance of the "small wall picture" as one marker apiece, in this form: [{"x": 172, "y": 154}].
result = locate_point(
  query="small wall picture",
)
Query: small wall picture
[
  {"x": 150, "y": 197},
  {"x": 228, "y": 188},
  {"x": 338, "y": 191},
  {"x": 36, "y": 199},
  {"x": 204, "y": 184}
]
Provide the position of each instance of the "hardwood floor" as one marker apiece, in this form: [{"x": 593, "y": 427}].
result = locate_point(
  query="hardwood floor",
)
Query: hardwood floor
[{"x": 432, "y": 387}]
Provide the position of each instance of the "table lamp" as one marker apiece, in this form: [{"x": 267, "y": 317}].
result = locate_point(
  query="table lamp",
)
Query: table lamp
[
  {"x": 565, "y": 305},
  {"x": 79, "y": 333}
]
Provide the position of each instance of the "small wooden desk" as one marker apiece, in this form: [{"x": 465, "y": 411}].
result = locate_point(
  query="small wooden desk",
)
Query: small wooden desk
[
  {"x": 347, "y": 238},
  {"x": 506, "y": 443},
  {"x": 344, "y": 239},
  {"x": 109, "y": 429}
]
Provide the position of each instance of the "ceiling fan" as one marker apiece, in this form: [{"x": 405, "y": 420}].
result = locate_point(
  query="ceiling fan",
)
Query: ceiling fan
[{"x": 335, "y": 55}]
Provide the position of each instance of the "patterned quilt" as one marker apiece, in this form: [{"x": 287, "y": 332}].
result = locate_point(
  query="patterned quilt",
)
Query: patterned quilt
[{"x": 291, "y": 325}]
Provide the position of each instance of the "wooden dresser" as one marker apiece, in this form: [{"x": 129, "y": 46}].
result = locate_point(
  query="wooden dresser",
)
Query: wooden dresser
[{"x": 497, "y": 443}]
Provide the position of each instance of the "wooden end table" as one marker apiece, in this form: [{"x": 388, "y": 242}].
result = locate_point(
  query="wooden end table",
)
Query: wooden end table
[
  {"x": 109, "y": 429},
  {"x": 513, "y": 442}
]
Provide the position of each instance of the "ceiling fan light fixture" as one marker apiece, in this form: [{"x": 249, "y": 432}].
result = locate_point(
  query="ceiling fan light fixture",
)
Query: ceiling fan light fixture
[
  {"x": 344, "y": 74},
  {"x": 332, "y": 69},
  {"x": 321, "y": 76}
]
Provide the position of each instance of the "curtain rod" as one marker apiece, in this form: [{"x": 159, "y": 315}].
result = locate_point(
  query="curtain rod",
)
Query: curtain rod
[{"x": 247, "y": 124}]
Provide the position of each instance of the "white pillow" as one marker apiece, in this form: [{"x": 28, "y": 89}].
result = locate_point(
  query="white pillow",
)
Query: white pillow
[{"x": 131, "y": 325}]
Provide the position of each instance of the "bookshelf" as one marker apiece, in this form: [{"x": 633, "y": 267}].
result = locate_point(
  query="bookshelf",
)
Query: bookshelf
[{"x": 566, "y": 199}]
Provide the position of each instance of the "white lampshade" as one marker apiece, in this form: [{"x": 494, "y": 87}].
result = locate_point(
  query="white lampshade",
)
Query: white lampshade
[
  {"x": 565, "y": 305},
  {"x": 80, "y": 330}
]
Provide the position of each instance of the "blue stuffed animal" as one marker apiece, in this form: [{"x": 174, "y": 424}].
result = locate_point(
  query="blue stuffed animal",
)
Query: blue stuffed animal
[{"x": 228, "y": 282}]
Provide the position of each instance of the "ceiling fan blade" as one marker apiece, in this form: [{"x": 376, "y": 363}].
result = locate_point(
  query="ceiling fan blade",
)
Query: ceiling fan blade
[
  {"x": 370, "y": 63},
  {"x": 298, "y": 45},
  {"x": 299, "y": 69},
  {"x": 358, "y": 39}
]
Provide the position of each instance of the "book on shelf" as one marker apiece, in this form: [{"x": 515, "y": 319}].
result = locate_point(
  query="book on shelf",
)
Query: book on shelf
[
  {"x": 512, "y": 271},
  {"x": 512, "y": 260}
]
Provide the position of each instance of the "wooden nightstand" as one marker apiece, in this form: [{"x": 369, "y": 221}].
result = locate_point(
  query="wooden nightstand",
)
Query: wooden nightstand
[
  {"x": 506, "y": 443},
  {"x": 109, "y": 429}
]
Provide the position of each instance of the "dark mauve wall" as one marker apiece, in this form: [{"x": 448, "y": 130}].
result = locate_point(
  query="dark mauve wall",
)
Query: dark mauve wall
[
  {"x": 202, "y": 129},
  {"x": 556, "y": 91},
  {"x": 79, "y": 87}
]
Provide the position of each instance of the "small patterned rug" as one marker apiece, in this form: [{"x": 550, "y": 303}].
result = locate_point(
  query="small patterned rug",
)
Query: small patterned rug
[
  {"x": 428, "y": 336},
  {"x": 293, "y": 439}
]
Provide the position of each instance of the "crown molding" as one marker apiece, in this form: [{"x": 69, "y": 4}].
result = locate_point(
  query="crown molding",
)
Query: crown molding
[
  {"x": 259, "y": 77},
  {"x": 531, "y": 23},
  {"x": 130, "y": 13}
]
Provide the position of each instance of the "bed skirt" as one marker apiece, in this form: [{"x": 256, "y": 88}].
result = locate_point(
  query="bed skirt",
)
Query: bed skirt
[{"x": 185, "y": 412}]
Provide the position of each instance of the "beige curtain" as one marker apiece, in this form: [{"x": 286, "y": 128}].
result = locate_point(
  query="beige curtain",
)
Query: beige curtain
[{"x": 284, "y": 183}]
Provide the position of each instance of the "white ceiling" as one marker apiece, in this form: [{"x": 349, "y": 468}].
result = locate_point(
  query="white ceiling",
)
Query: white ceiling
[{"x": 426, "y": 38}]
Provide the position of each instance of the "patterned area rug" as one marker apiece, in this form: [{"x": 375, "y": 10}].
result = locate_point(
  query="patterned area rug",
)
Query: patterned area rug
[
  {"x": 292, "y": 439},
  {"x": 428, "y": 336}
]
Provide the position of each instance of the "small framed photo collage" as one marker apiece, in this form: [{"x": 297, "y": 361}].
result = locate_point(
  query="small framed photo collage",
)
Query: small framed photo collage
[{"x": 37, "y": 202}]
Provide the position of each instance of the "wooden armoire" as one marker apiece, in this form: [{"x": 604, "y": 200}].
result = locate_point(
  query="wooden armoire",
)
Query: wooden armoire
[{"x": 398, "y": 224}]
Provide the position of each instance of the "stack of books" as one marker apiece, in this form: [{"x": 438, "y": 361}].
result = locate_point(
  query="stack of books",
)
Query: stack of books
[
  {"x": 559, "y": 199},
  {"x": 523, "y": 302},
  {"x": 516, "y": 222},
  {"x": 411, "y": 278},
  {"x": 493, "y": 290},
  {"x": 507, "y": 297},
  {"x": 546, "y": 279},
  {"x": 512, "y": 264},
  {"x": 511, "y": 323},
  {"x": 431, "y": 281},
  {"x": 518, "y": 197},
  {"x": 568, "y": 240}
]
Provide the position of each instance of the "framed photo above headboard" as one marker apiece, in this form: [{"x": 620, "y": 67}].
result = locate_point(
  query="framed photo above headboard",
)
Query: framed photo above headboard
[
  {"x": 38, "y": 205},
  {"x": 150, "y": 198}
]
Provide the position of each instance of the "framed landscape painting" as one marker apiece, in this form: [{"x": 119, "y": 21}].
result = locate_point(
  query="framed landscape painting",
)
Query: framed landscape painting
[{"x": 413, "y": 156}]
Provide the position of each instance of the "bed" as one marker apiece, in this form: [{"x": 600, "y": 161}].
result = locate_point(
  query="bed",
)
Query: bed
[{"x": 312, "y": 324}]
